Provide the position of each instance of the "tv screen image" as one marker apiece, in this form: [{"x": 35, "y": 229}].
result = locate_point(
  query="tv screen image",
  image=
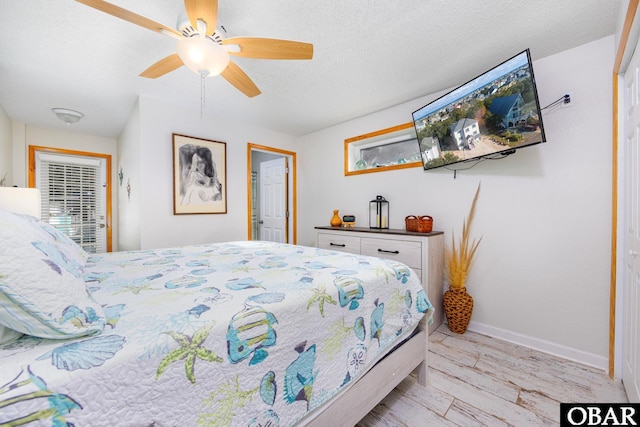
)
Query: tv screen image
[{"x": 487, "y": 117}]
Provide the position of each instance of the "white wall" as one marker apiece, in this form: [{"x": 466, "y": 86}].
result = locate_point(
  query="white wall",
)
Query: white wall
[
  {"x": 6, "y": 151},
  {"x": 541, "y": 276},
  {"x": 159, "y": 227},
  {"x": 129, "y": 163}
]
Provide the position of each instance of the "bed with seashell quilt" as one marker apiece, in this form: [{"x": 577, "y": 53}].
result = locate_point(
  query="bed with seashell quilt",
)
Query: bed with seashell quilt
[{"x": 244, "y": 333}]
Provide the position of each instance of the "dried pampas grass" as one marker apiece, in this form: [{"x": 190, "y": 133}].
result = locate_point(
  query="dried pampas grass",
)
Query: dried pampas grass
[{"x": 458, "y": 258}]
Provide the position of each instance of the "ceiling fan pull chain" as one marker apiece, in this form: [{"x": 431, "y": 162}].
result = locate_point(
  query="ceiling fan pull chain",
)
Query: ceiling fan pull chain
[{"x": 202, "y": 100}]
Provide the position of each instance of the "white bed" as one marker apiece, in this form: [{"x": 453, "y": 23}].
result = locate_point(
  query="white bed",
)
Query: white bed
[{"x": 237, "y": 333}]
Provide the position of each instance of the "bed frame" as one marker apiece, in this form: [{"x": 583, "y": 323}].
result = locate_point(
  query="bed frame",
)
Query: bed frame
[
  {"x": 356, "y": 402},
  {"x": 348, "y": 407}
]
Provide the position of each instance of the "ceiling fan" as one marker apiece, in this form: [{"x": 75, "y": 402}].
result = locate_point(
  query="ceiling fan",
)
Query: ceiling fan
[{"x": 203, "y": 50}]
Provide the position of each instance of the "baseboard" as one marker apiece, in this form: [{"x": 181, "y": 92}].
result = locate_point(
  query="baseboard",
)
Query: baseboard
[{"x": 579, "y": 356}]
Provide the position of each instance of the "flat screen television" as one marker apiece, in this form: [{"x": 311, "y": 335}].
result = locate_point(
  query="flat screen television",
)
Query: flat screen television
[{"x": 488, "y": 117}]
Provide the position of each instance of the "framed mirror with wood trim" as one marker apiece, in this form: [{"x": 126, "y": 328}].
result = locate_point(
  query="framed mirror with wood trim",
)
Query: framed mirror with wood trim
[{"x": 385, "y": 149}]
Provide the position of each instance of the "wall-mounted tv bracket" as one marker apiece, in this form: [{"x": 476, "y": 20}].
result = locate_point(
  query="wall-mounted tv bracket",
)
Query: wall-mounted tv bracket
[
  {"x": 494, "y": 156},
  {"x": 564, "y": 101}
]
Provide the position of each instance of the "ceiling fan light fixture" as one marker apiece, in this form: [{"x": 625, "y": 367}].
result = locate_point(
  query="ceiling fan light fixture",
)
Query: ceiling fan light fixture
[
  {"x": 202, "y": 55},
  {"x": 68, "y": 116}
]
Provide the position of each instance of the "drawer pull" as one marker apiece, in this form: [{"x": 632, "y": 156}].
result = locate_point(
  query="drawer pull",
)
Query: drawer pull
[
  {"x": 342, "y": 245},
  {"x": 388, "y": 252}
]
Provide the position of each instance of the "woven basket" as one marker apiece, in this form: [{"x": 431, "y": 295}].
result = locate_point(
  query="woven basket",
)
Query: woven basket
[
  {"x": 411, "y": 223},
  {"x": 425, "y": 224},
  {"x": 458, "y": 306},
  {"x": 422, "y": 224}
]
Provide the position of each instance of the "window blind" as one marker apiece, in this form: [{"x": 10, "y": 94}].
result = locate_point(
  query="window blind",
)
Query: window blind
[{"x": 71, "y": 198}]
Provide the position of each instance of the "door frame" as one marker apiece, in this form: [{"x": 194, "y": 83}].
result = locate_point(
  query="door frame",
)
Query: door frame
[
  {"x": 107, "y": 157},
  {"x": 293, "y": 199},
  {"x": 623, "y": 51}
]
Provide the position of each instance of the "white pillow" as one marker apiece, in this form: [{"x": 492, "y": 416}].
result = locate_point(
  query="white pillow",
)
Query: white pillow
[
  {"x": 41, "y": 288},
  {"x": 71, "y": 250}
]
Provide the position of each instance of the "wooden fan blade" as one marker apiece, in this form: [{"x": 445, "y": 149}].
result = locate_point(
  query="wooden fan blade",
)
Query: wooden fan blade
[
  {"x": 128, "y": 16},
  {"x": 262, "y": 48},
  {"x": 205, "y": 10},
  {"x": 238, "y": 78},
  {"x": 162, "y": 67}
]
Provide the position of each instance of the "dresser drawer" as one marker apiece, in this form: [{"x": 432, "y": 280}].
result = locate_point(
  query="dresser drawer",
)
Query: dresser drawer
[
  {"x": 406, "y": 252},
  {"x": 339, "y": 243}
]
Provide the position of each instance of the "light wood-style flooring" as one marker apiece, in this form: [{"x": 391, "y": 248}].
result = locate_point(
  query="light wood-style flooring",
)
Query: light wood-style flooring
[{"x": 475, "y": 380}]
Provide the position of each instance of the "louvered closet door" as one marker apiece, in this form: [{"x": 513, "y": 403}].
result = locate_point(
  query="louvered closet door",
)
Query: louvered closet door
[{"x": 74, "y": 197}]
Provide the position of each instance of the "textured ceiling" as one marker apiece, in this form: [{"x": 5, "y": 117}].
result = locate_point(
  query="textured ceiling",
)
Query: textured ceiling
[{"x": 368, "y": 55}]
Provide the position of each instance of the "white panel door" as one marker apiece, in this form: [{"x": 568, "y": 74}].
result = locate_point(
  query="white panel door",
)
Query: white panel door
[
  {"x": 273, "y": 200},
  {"x": 631, "y": 235}
]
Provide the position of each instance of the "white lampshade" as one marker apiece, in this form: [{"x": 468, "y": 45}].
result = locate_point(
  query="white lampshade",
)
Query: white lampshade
[
  {"x": 21, "y": 200},
  {"x": 202, "y": 55}
]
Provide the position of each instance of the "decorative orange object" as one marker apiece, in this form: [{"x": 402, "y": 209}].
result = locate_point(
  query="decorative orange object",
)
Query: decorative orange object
[
  {"x": 335, "y": 220},
  {"x": 458, "y": 307},
  {"x": 422, "y": 224}
]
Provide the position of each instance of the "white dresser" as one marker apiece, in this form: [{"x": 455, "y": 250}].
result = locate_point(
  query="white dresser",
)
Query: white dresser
[{"x": 423, "y": 252}]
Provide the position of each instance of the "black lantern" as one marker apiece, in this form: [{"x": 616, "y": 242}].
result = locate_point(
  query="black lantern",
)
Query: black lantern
[{"x": 379, "y": 213}]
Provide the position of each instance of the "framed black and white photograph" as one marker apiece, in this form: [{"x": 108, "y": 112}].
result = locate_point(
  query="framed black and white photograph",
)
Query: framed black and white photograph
[{"x": 199, "y": 176}]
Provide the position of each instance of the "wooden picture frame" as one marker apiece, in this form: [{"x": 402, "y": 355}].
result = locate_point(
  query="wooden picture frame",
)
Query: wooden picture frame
[{"x": 199, "y": 176}]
